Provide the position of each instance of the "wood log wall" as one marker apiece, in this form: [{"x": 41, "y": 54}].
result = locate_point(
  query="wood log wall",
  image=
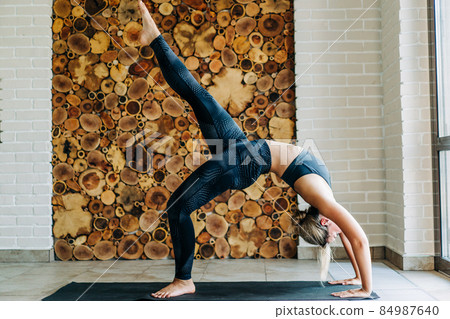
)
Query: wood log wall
[{"x": 107, "y": 89}]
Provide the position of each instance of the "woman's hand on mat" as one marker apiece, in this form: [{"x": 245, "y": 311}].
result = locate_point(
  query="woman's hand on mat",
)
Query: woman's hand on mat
[
  {"x": 351, "y": 281},
  {"x": 352, "y": 293}
]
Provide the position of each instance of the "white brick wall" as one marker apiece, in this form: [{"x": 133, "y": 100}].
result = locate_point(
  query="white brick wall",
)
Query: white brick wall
[
  {"x": 392, "y": 123},
  {"x": 25, "y": 154},
  {"x": 339, "y": 101},
  {"x": 364, "y": 102},
  {"x": 407, "y": 128}
]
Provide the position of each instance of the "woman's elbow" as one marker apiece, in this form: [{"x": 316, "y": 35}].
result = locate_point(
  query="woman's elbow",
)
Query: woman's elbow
[{"x": 360, "y": 242}]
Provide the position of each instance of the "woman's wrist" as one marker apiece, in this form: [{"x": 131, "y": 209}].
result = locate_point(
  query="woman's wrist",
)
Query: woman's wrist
[{"x": 367, "y": 289}]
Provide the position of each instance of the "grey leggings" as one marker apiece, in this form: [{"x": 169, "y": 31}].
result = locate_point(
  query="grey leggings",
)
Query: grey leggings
[{"x": 235, "y": 166}]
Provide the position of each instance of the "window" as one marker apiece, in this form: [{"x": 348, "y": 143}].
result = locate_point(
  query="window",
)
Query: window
[
  {"x": 442, "y": 23},
  {"x": 444, "y": 172}
]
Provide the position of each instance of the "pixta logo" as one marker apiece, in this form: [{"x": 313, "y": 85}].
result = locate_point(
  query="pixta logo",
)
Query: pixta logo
[
  {"x": 142, "y": 147},
  {"x": 149, "y": 150}
]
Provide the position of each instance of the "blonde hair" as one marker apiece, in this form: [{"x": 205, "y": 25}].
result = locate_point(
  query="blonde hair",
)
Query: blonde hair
[{"x": 313, "y": 232}]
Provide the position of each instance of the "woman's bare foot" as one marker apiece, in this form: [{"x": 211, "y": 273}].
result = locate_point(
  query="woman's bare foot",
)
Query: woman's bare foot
[
  {"x": 177, "y": 288},
  {"x": 150, "y": 30}
]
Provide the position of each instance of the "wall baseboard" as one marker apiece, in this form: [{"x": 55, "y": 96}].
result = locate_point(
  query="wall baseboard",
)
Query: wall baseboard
[
  {"x": 26, "y": 256},
  {"x": 410, "y": 262}
]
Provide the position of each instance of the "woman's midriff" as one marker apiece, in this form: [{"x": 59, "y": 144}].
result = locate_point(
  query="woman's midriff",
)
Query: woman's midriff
[{"x": 282, "y": 155}]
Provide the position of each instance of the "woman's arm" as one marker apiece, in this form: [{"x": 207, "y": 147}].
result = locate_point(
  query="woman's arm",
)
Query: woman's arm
[
  {"x": 315, "y": 191},
  {"x": 351, "y": 281},
  {"x": 359, "y": 244}
]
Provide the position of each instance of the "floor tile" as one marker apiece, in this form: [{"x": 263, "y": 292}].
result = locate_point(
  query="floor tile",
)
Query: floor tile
[
  {"x": 235, "y": 270},
  {"x": 55, "y": 271},
  {"x": 439, "y": 294},
  {"x": 12, "y": 271},
  {"x": 209, "y": 277},
  {"x": 290, "y": 265},
  {"x": 199, "y": 264},
  {"x": 119, "y": 270},
  {"x": 403, "y": 295},
  {"x": 427, "y": 279},
  {"x": 33, "y": 281},
  {"x": 91, "y": 276},
  {"x": 235, "y": 266},
  {"x": 21, "y": 298},
  {"x": 17, "y": 265},
  {"x": 294, "y": 276},
  {"x": 383, "y": 276},
  {"x": 28, "y": 286},
  {"x": 292, "y": 269}
]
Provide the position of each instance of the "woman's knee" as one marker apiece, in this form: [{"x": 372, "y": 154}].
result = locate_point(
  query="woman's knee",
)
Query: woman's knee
[{"x": 173, "y": 216}]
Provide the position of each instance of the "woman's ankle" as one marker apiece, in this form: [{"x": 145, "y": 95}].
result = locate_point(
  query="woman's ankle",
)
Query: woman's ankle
[{"x": 183, "y": 280}]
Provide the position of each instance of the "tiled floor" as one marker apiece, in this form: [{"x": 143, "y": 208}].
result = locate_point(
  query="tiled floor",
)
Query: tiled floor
[{"x": 34, "y": 281}]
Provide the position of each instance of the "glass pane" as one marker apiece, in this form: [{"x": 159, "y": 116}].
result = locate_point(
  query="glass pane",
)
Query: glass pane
[
  {"x": 443, "y": 64},
  {"x": 444, "y": 159}
]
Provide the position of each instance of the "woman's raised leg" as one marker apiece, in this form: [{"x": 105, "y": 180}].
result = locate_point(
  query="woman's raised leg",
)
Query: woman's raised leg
[{"x": 213, "y": 119}]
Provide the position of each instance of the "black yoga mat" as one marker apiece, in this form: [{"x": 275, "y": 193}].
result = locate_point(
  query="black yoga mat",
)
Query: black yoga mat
[{"x": 205, "y": 291}]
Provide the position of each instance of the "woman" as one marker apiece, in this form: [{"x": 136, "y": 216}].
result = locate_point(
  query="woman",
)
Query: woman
[{"x": 237, "y": 166}]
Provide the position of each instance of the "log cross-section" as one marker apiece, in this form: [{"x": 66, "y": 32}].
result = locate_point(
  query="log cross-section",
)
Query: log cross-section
[{"x": 124, "y": 141}]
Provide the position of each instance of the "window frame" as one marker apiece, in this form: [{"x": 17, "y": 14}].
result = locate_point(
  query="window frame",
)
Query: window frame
[{"x": 439, "y": 144}]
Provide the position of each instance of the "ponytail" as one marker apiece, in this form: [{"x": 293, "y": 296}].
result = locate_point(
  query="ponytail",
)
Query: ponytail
[
  {"x": 324, "y": 257},
  {"x": 316, "y": 234}
]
